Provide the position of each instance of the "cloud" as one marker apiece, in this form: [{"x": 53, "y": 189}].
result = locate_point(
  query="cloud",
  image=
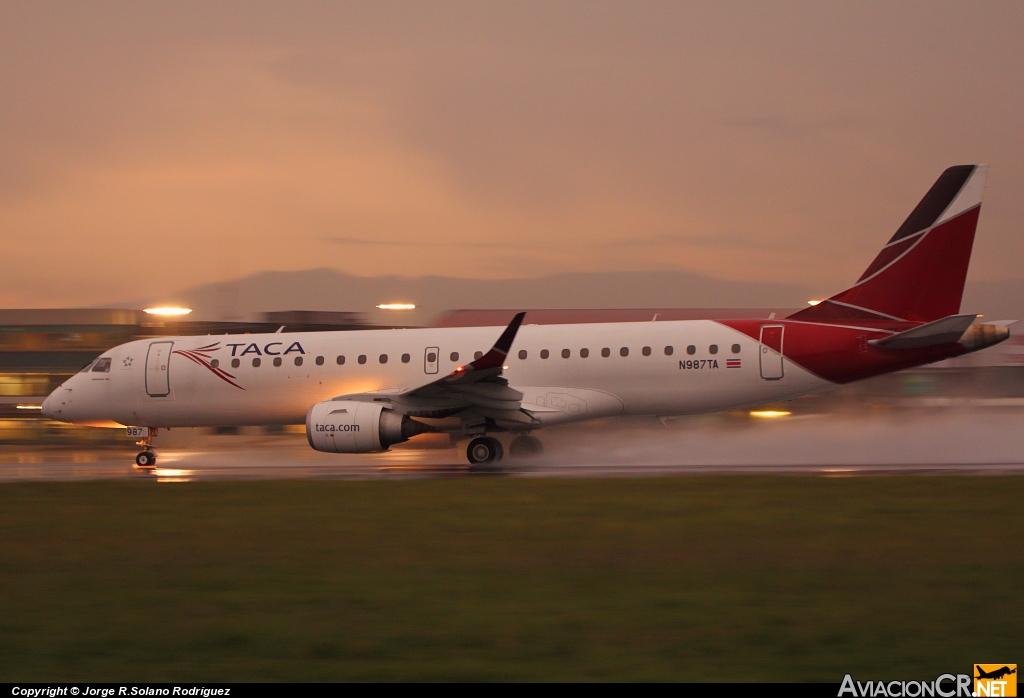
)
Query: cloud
[
  {"x": 144, "y": 143},
  {"x": 384, "y": 242}
]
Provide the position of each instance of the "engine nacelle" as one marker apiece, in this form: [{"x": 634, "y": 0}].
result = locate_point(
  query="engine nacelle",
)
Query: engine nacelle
[{"x": 347, "y": 426}]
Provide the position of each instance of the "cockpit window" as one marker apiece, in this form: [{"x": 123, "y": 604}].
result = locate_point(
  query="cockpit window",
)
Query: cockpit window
[
  {"x": 85, "y": 369},
  {"x": 102, "y": 365}
]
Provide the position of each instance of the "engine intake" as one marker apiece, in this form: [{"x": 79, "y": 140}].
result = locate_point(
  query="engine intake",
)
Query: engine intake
[{"x": 348, "y": 426}]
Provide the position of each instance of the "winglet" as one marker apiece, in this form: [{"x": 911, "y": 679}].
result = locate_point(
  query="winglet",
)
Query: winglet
[{"x": 495, "y": 358}]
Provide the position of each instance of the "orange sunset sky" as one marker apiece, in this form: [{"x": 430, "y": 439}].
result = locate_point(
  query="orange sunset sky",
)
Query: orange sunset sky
[{"x": 150, "y": 147}]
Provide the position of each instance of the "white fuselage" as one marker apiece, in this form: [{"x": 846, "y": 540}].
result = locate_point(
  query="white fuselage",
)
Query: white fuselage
[{"x": 237, "y": 380}]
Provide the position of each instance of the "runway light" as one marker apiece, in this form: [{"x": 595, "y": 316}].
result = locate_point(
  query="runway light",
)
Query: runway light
[
  {"x": 28, "y": 407},
  {"x": 167, "y": 311},
  {"x": 769, "y": 414},
  {"x": 397, "y": 306},
  {"x": 813, "y": 302}
]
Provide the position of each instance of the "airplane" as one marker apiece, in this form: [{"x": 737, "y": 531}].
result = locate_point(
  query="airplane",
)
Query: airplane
[
  {"x": 994, "y": 674},
  {"x": 365, "y": 391}
]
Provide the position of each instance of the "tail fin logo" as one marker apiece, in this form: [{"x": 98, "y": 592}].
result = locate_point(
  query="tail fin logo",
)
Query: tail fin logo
[{"x": 919, "y": 275}]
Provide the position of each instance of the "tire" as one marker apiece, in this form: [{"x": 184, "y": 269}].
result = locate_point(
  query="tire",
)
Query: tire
[
  {"x": 146, "y": 459},
  {"x": 482, "y": 450},
  {"x": 499, "y": 450},
  {"x": 525, "y": 447}
]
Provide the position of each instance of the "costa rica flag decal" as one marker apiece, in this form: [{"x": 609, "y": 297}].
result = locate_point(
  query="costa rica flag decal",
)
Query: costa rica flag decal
[{"x": 733, "y": 363}]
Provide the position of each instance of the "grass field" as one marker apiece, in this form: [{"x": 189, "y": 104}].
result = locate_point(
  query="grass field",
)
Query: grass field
[{"x": 694, "y": 578}]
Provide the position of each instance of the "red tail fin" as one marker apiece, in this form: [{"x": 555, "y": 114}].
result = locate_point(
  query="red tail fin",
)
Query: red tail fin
[{"x": 919, "y": 275}]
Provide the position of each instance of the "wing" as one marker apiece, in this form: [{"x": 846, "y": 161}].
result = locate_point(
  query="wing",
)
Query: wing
[{"x": 476, "y": 389}]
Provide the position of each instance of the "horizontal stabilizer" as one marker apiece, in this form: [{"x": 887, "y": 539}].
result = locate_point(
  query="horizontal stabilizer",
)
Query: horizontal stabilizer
[{"x": 945, "y": 331}]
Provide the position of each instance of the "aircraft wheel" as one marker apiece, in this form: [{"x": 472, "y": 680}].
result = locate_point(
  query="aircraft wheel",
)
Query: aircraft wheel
[
  {"x": 146, "y": 459},
  {"x": 484, "y": 449},
  {"x": 525, "y": 446}
]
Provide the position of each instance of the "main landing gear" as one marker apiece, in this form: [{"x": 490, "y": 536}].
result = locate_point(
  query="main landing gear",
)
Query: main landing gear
[
  {"x": 525, "y": 446},
  {"x": 487, "y": 449},
  {"x": 484, "y": 449},
  {"x": 147, "y": 458}
]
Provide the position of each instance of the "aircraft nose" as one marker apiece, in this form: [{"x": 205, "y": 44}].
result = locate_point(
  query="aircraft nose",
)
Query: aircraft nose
[
  {"x": 54, "y": 406},
  {"x": 48, "y": 406}
]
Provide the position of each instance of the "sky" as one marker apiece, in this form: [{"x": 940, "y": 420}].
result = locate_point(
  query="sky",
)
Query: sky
[{"x": 147, "y": 148}]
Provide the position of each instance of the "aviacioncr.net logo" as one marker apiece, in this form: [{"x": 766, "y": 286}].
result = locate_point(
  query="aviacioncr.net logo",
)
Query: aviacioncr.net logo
[
  {"x": 995, "y": 680},
  {"x": 945, "y": 686}
]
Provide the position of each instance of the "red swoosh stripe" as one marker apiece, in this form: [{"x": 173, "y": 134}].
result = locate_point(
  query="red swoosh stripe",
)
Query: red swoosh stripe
[{"x": 202, "y": 360}]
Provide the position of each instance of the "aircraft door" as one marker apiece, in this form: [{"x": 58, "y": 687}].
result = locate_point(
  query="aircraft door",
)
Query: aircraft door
[
  {"x": 771, "y": 352},
  {"x": 157, "y": 359},
  {"x": 430, "y": 356}
]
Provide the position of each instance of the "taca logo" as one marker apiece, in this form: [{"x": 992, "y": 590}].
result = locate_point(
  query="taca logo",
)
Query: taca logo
[
  {"x": 270, "y": 349},
  {"x": 336, "y": 427}
]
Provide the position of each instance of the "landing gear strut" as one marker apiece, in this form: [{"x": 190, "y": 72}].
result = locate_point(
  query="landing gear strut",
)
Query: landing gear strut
[
  {"x": 484, "y": 449},
  {"x": 147, "y": 458}
]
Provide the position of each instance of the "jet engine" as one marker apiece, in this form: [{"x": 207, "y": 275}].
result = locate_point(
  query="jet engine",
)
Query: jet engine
[{"x": 348, "y": 426}]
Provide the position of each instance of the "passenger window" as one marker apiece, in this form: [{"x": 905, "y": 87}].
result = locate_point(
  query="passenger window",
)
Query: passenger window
[
  {"x": 668, "y": 351},
  {"x": 454, "y": 356},
  {"x": 256, "y": 363},
  {"x": 431, "y": 357},
  {"x": 235, "y": 363},
  {"x": 544, "y": 353},
  {"x": 319, "y": 361},
  {"x": 341, "y": 360},
  {"x": 405, "y": 358},
  {"x": 102, "y": 366},
  {"x": 362, "y": 358},
  {"x": 646, "y": 351},
  {"x": 691, "y": 350},
  {"x": 584, "y": 353},
  {"x": 383, "y": 358},
  {"x": 277, "y": 361},
  {"x": 215, "y": 363},
  {"x": 713, "y": 349},
  {"x": 735, "y": 348},
  {"x": 566, "y": 353},
  {"x": 477, "y": 355},
  {"x": 606, "y": 352},
  {"x": 522, "y": 354},
  {"x": 624, "y": 351},
  {"x": 298, "y": 360}
]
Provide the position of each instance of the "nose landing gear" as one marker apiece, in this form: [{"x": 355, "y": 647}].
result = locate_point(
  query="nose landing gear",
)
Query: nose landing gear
[{"x": 147, "y": 458}]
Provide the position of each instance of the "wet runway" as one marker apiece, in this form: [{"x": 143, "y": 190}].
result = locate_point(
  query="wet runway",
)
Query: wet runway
[{"x": 944, "y": 443}]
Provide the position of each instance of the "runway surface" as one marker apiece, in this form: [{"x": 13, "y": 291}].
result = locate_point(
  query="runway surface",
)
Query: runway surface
[{"x": 935, "y": 443}]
